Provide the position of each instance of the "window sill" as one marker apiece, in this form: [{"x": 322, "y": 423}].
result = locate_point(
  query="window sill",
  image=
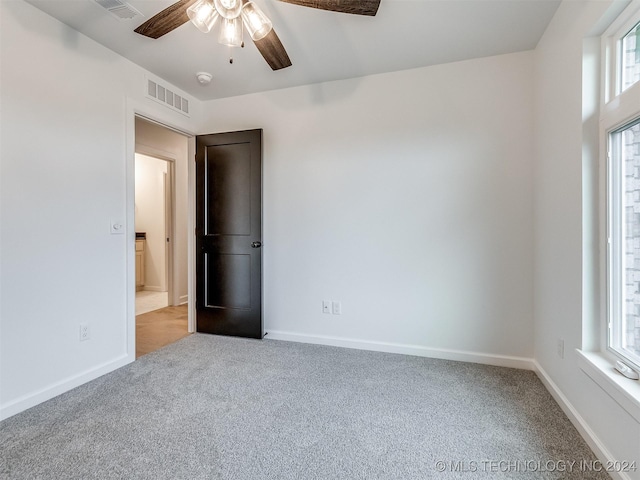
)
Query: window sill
[{"x": 624, "y": 391}]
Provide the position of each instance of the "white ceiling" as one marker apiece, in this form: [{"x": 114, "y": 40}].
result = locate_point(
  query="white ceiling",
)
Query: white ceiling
[{"x": 322, "y": 45}]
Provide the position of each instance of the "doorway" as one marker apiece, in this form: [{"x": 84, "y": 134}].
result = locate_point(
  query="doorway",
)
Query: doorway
[
  {"x": 153, "y": 220},
  {"x": 160, "y": 218}
]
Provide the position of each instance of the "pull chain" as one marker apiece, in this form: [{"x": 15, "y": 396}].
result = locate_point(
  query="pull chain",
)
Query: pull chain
[{"x": 231, "y": 55}]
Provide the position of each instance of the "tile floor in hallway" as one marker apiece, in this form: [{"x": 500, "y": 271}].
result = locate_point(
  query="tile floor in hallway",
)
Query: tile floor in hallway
[{"x": 147, "y": 301}]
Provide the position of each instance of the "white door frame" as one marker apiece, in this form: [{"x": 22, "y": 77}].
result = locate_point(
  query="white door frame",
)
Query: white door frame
[{"x": 184, "y": 125}]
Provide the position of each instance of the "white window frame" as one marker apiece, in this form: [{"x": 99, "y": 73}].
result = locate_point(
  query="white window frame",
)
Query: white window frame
[
  {"x": 615, "y": 243},
  {"x": 618, "y": 110},
  {"x": 612, "y": 51}
]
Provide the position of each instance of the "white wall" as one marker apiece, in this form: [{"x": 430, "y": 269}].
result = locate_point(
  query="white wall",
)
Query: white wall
[
  {"x": 159, "y": 141},
  {"x": 64, "y": 155},
  {"x": 150, "y": 218},
  {"x": 406, "y": 196},
  {"x": 561, "y": 166}
]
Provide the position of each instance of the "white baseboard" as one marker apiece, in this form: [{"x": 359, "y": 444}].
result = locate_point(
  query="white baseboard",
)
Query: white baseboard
[
  {"x": 416, "y": 350},
  {"x": 183, "y": 299},
  {"x": 581, "y": 425},
  {"x": 31, "y": 400},
  {"x": 153, "y": 288}
]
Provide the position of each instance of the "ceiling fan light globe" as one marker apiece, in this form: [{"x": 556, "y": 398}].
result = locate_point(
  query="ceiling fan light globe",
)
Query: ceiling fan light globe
[
  {"x": 228, "y": 8},
  {"x": 231, "y": 32},
  {"x": 257, "y": 23},
  {"x": 203, "y": 15}
]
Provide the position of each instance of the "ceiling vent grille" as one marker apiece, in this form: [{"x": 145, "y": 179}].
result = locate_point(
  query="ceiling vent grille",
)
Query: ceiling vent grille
[
  {"x": 167, "y": 97},
  {"x": 119, "y": 9}
]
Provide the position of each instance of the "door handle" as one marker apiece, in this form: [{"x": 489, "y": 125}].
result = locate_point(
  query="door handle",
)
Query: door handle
[{"x": 256, "y": 244}]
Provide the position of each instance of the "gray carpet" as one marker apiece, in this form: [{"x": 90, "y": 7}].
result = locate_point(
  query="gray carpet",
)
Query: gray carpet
[{"x": 212, "y": 407}]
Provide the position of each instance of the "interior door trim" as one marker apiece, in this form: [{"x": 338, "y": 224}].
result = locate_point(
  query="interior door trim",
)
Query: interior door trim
[{"x": 136, "y": 108}]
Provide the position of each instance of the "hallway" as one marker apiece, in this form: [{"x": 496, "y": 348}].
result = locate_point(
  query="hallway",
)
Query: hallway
[{"x": 159, "y": 328}]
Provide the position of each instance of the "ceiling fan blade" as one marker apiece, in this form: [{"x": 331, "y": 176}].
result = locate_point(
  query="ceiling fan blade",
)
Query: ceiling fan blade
[
  {"x": 273, "y": 51},
  {"x": 167, "y": 20},
  {"x": 356, "y": 7}
]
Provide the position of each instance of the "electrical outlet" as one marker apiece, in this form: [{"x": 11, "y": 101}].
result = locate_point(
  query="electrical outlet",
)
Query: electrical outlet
[
  {"x": 337, "y": 308},
  {"x": 326, "y": 306},
  {"x": 561, "y": 348},
  {"x": 84, "y": 332}
]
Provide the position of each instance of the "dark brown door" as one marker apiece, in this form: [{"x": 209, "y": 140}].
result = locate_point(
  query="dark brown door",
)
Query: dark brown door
[{"x": 229, "y": 233}]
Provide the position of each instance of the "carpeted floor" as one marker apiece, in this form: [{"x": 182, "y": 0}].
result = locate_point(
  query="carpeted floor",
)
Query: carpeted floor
[{"x": 209, "y": 407}]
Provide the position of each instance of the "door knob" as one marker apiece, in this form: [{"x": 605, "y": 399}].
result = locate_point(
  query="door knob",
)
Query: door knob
[{"x": 256, "y": 244}]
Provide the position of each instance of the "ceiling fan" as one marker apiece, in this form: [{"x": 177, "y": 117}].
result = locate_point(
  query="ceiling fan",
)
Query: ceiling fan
[{"x": 233, "y": 14}]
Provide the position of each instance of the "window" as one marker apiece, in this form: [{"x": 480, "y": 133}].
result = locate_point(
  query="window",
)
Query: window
[
  {"x": 620, "y": 120},
  {"x": 630, "y": 61},
  {"x": 621, "y": 45},
  {"x": 624, "y": 241}
]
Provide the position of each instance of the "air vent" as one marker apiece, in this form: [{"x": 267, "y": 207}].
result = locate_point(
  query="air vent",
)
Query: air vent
[
  {"x": 119, "y": 9},
  {"x": 167, "y": 97}
]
